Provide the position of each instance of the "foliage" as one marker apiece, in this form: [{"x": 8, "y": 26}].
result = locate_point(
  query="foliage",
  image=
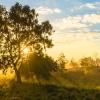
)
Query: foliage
[
  {"x": 87, "y": 62},
  {"x": 47, "y": 92},
  {"x": 39, "y": 65},
  {"x": 61, "y": 61},
  {"x": 19, "y": 29}
]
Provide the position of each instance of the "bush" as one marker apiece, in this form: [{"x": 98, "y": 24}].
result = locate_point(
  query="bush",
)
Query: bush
[{"x": 39, "y": 65}]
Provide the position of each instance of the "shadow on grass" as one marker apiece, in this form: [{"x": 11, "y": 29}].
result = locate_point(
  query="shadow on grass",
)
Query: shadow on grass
[{"x": 28, "y": 91}]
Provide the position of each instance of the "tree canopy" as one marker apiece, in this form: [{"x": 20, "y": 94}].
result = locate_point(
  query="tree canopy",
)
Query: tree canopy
[{"x": 20, "y": 29}]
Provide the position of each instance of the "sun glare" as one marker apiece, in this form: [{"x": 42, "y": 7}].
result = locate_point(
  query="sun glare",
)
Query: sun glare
[{"x": 26, "y": 51}]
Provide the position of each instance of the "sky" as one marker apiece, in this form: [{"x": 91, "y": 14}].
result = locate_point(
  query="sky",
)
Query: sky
[{"x": 76, "y": 24}]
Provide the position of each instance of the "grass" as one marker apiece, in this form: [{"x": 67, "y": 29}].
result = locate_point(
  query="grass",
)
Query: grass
[
  {"x": 69, "y": 85},
  {"x": 28, "y": 91},
  {"x": 81, "y": 78}
]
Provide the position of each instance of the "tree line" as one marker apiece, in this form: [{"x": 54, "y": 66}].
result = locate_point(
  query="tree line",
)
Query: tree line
[{"x": 64, "y": 63}]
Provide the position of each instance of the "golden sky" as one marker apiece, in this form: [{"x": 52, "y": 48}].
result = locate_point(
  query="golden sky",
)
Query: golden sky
[{"x": 76, "y": 45}]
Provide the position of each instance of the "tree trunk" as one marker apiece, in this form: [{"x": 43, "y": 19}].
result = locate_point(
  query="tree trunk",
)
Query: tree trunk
[{"x": 18, "y": 76}]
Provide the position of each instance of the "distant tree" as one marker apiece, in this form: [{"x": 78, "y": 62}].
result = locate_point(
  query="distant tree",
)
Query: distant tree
[
  {"x": 20, "y": 29},
  {"x": 87, "y": 62},
  {"x": 97, "y": 62},
  {"x": 61, "y": 61}
]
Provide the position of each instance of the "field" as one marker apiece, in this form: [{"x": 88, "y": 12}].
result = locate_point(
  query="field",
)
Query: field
[
  {"x": 47, "y": 92},
  {"x": 76, "y": 84}
]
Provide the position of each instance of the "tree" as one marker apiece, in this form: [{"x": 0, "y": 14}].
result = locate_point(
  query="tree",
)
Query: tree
[
  {"x": 61, "y": 61},
  {"x": 39, "y": 65},
  {"x": 97, "y": 62},
  {"x": 3, "y": 29},
  {"x": 21, "y": 29},
  {"x": 87, "y": 62}
]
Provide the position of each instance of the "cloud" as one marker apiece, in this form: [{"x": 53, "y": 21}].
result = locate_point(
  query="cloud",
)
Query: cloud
[
  {"x": 91, "y": 18},
  {"x": 95, "y": 5},
  {"x": 88, "y": 5},
  {"x": 46, "y": 10},
  {"x": 69, "y": 23},
  {"x": 76, "y": 23}
]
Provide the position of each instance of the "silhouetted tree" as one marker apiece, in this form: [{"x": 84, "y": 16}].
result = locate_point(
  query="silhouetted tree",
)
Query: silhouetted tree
[
  {"x": 97, "y": 62},
  {"x": 61, "y": 61},
  {"x": 21, "y": 29},
  {"x": 87, "y": 62},
  {"x": 39, "y": 65}
]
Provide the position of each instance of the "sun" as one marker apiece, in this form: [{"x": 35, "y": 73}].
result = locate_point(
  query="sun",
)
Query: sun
[{"x": 26, "y": 51}]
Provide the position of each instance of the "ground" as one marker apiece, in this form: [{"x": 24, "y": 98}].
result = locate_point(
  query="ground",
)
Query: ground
[
  {"x": 47, "y": 92},
  {"x": 69, "y": 85}
]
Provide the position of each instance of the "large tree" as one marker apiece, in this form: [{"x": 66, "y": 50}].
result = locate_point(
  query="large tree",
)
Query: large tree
[{"x": 20, "y": 29}]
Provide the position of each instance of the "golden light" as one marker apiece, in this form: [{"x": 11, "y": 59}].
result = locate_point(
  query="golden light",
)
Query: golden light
[{"x": 26, "y": 51}]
